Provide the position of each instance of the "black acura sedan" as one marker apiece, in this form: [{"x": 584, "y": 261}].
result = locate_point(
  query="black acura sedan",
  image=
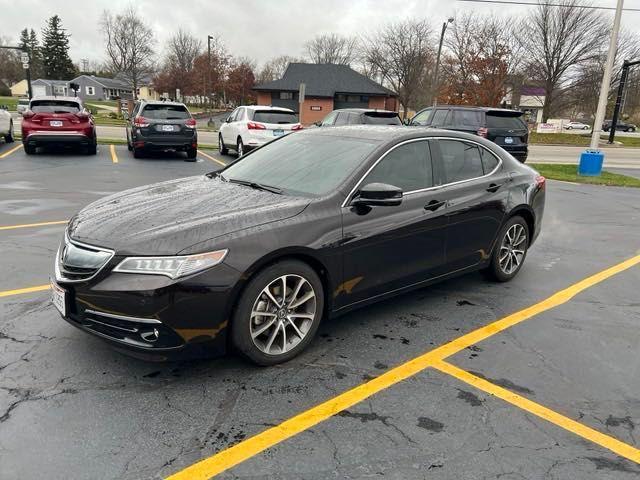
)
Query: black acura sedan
[{"x": 309, "y": 226}]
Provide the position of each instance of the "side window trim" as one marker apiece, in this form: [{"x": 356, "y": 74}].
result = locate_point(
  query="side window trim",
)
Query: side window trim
[{"x": 437, "y": 159}]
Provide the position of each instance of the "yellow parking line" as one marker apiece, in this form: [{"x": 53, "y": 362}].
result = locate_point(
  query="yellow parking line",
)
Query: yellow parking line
[
  {"x": 213, "y": 159},
  {"x": 114, "y": 157},
  {"x": 610, "y": 443},
  {"x": 246, "y": 449},
  {"x": 6, "y": 154},
  {"x": 19, "y": 291},
  {"x": 28, "y": 225}
]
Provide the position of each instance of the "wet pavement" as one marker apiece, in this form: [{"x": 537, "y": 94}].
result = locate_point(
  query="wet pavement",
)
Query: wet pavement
[{"x": 71, "y": 407}]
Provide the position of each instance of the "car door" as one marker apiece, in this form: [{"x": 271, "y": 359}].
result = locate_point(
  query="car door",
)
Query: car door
[
  {"x": 130, "y": 119},
  {"x": 226, "y": 130},
  {"x": 388, "y": 248},
  {"x": 475, "y": 188}
]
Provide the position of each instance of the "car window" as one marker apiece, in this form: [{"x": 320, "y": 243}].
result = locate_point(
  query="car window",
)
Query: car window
[
  {"x": 234, "y": 115},
  {"x": 355, "y": 119},
  {"x": 508, "y": 122},
  {"x": 422, "y": 118},
  {"x": 440, "y": 118},
  {"x": 342, "y": 119},
  {"x": 467, "y": 118},
  {"x": 489, "y": 161},
  {"x": 460, "y": 160},
  {"x": 308, "y": 165},
  {"x": 407, "y": 166},
  {"x": 54, "y": 106},
  {"x": 165, "y": 112},
  {"x": 329, "y": 119},
  {"x": 275, "y": 116},
  {"x": 382, "y": 118}
]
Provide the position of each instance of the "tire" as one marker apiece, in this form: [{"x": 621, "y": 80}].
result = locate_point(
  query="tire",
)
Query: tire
[
  {"x": 513, "y": 229},
  {"x": 192, "y": 154},
  {"x": 8, "y": 138},
  {"x": 569, "y": 128},
  {"x": 92, "y": 148},
  {"x": 129, "y": 146},
  {"x": 585, "y": 128},
  {"x": 29, "y": 149},
  {"x": 240, "y": 147},
  {"x": 631, "y": 129},
  {"x": 259, "y": 346},
  {"x": 137, "y": 153},
  {"x": 221, "y": 146}
]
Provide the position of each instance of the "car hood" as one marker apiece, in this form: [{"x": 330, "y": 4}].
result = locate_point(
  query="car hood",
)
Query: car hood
[{"x": 166, "y": 218}]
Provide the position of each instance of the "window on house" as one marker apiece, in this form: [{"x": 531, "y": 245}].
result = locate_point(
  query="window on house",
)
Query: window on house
[
  {"x": 90, "y": 90},
  {"x": 286, "y": 95},
  {"x": 353, "y": 98},
  {"x": 59, "y": 90}
]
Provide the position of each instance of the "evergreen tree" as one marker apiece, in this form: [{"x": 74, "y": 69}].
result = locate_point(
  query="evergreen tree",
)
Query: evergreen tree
[
  {"x": 29, "y": 40},
  {"x": 55, "y": 51}
]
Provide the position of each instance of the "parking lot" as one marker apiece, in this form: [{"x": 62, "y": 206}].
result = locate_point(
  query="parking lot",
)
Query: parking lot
[{"x": 536, "y": 378}]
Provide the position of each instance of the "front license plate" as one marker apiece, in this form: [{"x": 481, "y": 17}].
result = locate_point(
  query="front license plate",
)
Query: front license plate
[
  {"x": 55, "y": 123},
  {"x": 278, "y": 132},
  {"x": 59, "y": 298},
  {"x": 167, "y": 128},
  {"x": 508, "y": 139}
]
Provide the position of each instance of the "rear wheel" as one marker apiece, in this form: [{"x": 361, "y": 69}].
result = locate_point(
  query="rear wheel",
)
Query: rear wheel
[
  {"x": 9, "y": 136},
  {"x": 586, "y": 127},
  {"x": 29, "y": 149},
  {"x": 278, "y": 313},
  {"x": 92, "y": 148},
  {"x": 223, "y": 149},
  {"x": 631, "y": 129},
  {"x": 510, "y": 251},
  {"x": 569, "y": 127},
  {"x": 137, "y": 152},
  {"x": 240, "y": 147},
  {"x": 192, "y": 153}
]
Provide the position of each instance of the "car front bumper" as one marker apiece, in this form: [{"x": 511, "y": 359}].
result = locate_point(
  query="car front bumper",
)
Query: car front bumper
[{"x": 154, "y": 317}]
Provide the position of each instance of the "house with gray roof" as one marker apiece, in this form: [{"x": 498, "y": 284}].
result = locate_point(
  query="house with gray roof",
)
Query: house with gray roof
[
  {"x": 327, "y": 87},
  {"x": 44, "y": 87},
  {"x": 101, "y": 88}
]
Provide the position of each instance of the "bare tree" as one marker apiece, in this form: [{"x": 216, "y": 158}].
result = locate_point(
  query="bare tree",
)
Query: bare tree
[
  {"x": 557, "y": 39},
  {"x": 10, "y": 65},
  {"x": 402, "y": 54},
  {"x": 183, "y": 49},
  {"x": 129, "y": 43},
  {"x": 332, "y": 48},
  {"x": 275, "y": 68}
]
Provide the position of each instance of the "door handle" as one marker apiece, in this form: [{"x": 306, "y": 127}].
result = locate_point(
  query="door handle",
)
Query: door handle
[
  {"x": 433, "y": 205},
  {"x": 493, "y": 187}
]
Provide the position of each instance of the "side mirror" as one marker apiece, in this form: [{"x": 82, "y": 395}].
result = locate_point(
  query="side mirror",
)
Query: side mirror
[
  {"x": 378, "y": 195},
  {"x": 318, "y": 124}
]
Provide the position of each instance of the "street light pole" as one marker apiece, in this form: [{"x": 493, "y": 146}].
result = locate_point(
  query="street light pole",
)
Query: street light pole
[
  {"x": 606, "y": 79},
  {"x": 435, "y": 75},
  {"x": 209, "y": 38}
]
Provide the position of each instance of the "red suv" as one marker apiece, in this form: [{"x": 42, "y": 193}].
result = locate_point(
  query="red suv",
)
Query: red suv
[{"x": 58, "y": 121}]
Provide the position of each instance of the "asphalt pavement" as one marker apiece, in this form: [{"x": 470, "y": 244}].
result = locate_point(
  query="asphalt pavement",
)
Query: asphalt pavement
[{"x": 71, "y": 407}]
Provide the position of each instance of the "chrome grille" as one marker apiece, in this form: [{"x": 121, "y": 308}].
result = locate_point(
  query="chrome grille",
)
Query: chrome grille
[{"x": 77, "y": 262}]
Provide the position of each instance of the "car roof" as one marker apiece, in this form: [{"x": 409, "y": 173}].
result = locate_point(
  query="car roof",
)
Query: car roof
[
  {"x": 476, "y": 108},
  {"x": 390, "y": 133},
  {"x": 160, "y": 102},
  {"x": 364, "y": 110},
  {"x": 51, "y": 97},
  {"x": 266, "y": 107}
]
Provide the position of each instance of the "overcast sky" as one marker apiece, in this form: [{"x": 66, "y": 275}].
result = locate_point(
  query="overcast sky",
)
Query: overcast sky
[{"x": 259, "y": 29}]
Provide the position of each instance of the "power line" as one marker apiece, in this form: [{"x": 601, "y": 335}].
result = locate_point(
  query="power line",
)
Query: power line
[{"x": 535, "y": 4}]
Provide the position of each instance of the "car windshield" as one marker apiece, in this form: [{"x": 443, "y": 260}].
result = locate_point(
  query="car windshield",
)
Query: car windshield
[
  {"x": 382, "y": 118},
  {"x": 510, "y": 122},
  {"x": 23, "y": 102},
  {"x": 271, "y": 116},
  {"x": 166, "y": 112},
  {"x": 54, "y": 106},
  {"x": 299, "y": 164}
]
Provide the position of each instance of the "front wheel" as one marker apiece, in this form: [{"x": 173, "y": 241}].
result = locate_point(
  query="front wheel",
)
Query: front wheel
[
  {"x": 510, "y": 250},
  {"x": 569, "y": 128},
  {"x": 278, "y": 313},
  {"x": 631, "y": 129},
  {"x": 240, "y": 147},
  {"x": 8, "y": 138},
  {"x": 221, "y": 146},
  {"x": 585, "y": 128}
]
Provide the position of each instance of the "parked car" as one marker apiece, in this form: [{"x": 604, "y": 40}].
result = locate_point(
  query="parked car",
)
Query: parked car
[
  {"x": 503, "y": 127},
  {"x": 309, "y": 226},
  {"x": 576, "y": 126},
  {"x": 161, "y": 126},
  {"x": 620, "y": 125},
  {"x": 23, "y": 105},
  {"x": 360, "y": 116},
  {"x": 252, "y": 126},
  {"x": 58, "y": 121},
  {"x": 6, "y": 124}
]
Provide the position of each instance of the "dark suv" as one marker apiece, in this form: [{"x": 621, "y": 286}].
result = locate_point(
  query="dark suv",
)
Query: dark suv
[
  {"x": 158, "y": 125},
  {"x": 503, "y": 127},
  {"x": 620, "y": 125},
  {"x": 360, "y": 116}
]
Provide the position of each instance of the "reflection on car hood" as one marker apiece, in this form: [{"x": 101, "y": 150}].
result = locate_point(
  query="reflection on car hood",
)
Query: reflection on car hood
[{"x": 165, "y": 218}]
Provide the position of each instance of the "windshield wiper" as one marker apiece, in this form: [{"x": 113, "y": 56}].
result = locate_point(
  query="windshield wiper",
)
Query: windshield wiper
[{"x": 257, "y": 186}]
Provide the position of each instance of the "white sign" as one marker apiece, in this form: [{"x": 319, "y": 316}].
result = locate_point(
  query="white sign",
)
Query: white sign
[
  {"x": 301, "y": 93},
  {"x": 24, "y": 57},
  {"x": 548, "y": 128},
  {"x": 25, "y": 66}
]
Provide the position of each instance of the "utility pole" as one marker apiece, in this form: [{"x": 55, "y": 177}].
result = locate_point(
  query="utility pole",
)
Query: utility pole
[
  {"x": 26, "y": 64},
  {"x": 435, "y": 75},
  {"x": 209, "y": 38},
  {"x": 606, "y": 79}
]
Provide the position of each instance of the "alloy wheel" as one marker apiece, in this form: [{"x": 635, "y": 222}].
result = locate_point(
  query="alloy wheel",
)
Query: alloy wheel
[
  {"x": 512, "y": 249},
  {"x": 240, "y": 148},
  {"x": 283, "y": 314}
]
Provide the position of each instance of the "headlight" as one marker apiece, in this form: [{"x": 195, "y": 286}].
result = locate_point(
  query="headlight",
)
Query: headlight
[{"x": 172, "y": 267}]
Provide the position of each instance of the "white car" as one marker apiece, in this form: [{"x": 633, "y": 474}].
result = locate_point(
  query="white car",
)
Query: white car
[
  {"x": 252, "y": 126},
  {"x": 23, "y": 105},
  {"x": 6, "y": 124},
  {"x": 576, "y": 126}
]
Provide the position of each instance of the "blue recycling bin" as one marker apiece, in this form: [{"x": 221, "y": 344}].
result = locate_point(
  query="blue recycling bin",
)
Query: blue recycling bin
[{"x": 591, "y": 163}]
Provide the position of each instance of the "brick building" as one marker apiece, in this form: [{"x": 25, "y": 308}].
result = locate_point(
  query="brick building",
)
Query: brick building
[{"x": 327, "y": 87}]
